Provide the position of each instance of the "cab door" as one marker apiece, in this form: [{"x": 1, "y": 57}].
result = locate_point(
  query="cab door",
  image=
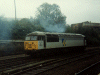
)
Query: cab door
[
  {"x": 44, "y": 39},
  {"x": 41, "y": 42}
]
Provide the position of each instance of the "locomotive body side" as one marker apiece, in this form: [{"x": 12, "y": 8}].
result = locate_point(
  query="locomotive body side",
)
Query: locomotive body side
[
  {"x": 67, "y": 41},
  {"x": 38, "y": 41}
]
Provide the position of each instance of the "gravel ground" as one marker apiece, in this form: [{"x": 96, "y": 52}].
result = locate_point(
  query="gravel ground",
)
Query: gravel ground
[{"x": 74, "y": 67}]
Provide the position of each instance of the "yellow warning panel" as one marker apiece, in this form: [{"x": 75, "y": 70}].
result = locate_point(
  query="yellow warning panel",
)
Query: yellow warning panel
[{"x": 31, "y": 45}]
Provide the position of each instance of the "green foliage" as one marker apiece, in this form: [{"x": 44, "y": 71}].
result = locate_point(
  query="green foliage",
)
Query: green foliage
[
  {"x": 39, "y": 28},
  {"x": 23, "y": 27},
  {"x": 92, "y": 34},
  {"x": 5, "y": 28},
  {"x": 17, "y": 29},
  {"x": 52, "y": 13},
  {"x": 69, "y": 30},
  {"x": 50, "y": 17}
]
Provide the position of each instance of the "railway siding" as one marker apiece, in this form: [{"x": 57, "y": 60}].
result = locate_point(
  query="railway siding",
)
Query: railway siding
[
  {"x": 18, "y": 69},
  {"x": 75, "y": 67},
  {"x": 53, "y": 63},
  {"x": 94, "y": 69},
  {"x": 13, "y": 57}
]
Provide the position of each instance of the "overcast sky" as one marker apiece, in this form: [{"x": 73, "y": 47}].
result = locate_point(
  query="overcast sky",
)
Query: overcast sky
[{"x": 75, "y": 10}]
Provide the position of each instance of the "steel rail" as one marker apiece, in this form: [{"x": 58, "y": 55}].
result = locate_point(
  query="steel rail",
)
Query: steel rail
[
  {"x": 56, "y": 64},
  {"x": 87, "y": 68},
  {"x": 31, "y": 66}
]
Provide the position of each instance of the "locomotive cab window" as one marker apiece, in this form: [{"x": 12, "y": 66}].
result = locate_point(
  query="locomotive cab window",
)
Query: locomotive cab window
[
  {"x": 31, "y": 38},
  {"x": 40, "y": 38},
  {"x": 27, "y": 38}
]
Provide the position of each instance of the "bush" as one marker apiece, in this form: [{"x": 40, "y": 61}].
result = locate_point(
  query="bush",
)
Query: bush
[{"x": 92, "y": 35}]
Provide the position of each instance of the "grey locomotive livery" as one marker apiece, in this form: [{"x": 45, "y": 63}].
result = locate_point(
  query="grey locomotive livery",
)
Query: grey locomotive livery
[{"x": 37, "y": 41}]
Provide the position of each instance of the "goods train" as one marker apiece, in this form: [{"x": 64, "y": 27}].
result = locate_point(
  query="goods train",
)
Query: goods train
[{"x": 38, "y": 41}]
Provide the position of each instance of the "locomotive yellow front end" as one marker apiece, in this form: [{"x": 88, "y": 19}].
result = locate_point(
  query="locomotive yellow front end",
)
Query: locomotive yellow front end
[{"x": 30, "y": 44}]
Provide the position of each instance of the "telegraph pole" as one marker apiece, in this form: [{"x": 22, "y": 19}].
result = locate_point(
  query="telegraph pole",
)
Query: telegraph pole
[{"x": 15, "y": 9}]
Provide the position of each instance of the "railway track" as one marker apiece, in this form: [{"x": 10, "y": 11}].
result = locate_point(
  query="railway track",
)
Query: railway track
[
  {"x": 12, "y": 63},
  {"x": 34, "y": 68},
  {"x": 13, "y": 57},
  {"x": 94, "y": 69}
]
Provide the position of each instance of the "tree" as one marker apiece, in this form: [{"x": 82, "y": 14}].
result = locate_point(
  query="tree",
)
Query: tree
[
  {"x": 22, "y": 28},
  {"x": 92, "y": 35},
  {"x": 5, "y": 28},
  {"x": 69, "y": 29},
  {"x": 50, "y": 17}
]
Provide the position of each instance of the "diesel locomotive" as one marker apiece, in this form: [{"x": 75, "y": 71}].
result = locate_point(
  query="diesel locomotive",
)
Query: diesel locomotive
[{"x": 38, "y": 41}]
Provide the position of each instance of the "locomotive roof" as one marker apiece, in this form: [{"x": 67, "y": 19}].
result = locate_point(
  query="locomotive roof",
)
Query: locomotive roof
[{"x": 53, "y": 33}]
